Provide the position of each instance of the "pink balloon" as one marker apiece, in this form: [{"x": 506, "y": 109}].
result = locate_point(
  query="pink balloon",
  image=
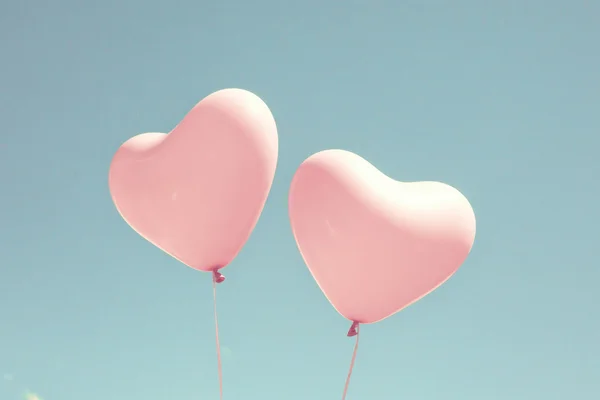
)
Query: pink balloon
[
  {"x": 198, "y": 192},
  {"x": 375, "y": 245}
]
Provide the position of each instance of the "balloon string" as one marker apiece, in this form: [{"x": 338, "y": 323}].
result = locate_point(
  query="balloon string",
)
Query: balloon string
[
  {"x": 218, "y": 278},
  {"x": 354, "y": 331}
]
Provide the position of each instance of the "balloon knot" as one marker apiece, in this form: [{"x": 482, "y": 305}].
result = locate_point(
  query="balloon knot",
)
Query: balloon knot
[
  {"x": 353, "y": 329},
  {"x": 217, "y": 276}
]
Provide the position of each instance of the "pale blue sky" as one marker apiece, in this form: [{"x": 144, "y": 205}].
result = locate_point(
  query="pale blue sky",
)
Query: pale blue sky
[{"x": 498, "y": 98}]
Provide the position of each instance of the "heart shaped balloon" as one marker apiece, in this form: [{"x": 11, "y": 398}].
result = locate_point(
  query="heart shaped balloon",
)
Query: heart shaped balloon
[
  {"x": 198, "y": 192},
  {"x": 375, "y": 245}
]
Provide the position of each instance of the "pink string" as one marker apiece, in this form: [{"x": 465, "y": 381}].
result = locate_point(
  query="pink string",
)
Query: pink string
[
  {"x": 354, "y": 331},
  {"x": 218, "y": 278}
]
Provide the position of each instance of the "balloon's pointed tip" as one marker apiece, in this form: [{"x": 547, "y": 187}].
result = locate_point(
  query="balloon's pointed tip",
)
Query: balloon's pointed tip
[
  {"x": 218, "y": 277},
  {"x": 353, "y": 331}
]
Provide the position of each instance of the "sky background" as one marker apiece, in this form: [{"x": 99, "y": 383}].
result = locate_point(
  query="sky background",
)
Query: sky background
[{"x": 500, "y": 99}]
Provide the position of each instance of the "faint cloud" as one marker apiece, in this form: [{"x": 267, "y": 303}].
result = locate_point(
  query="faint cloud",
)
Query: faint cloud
[
  {"x": 31, "y": 396},
  {"x": 226, "y": 352},
  {"x": 8, "y": 377}
]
